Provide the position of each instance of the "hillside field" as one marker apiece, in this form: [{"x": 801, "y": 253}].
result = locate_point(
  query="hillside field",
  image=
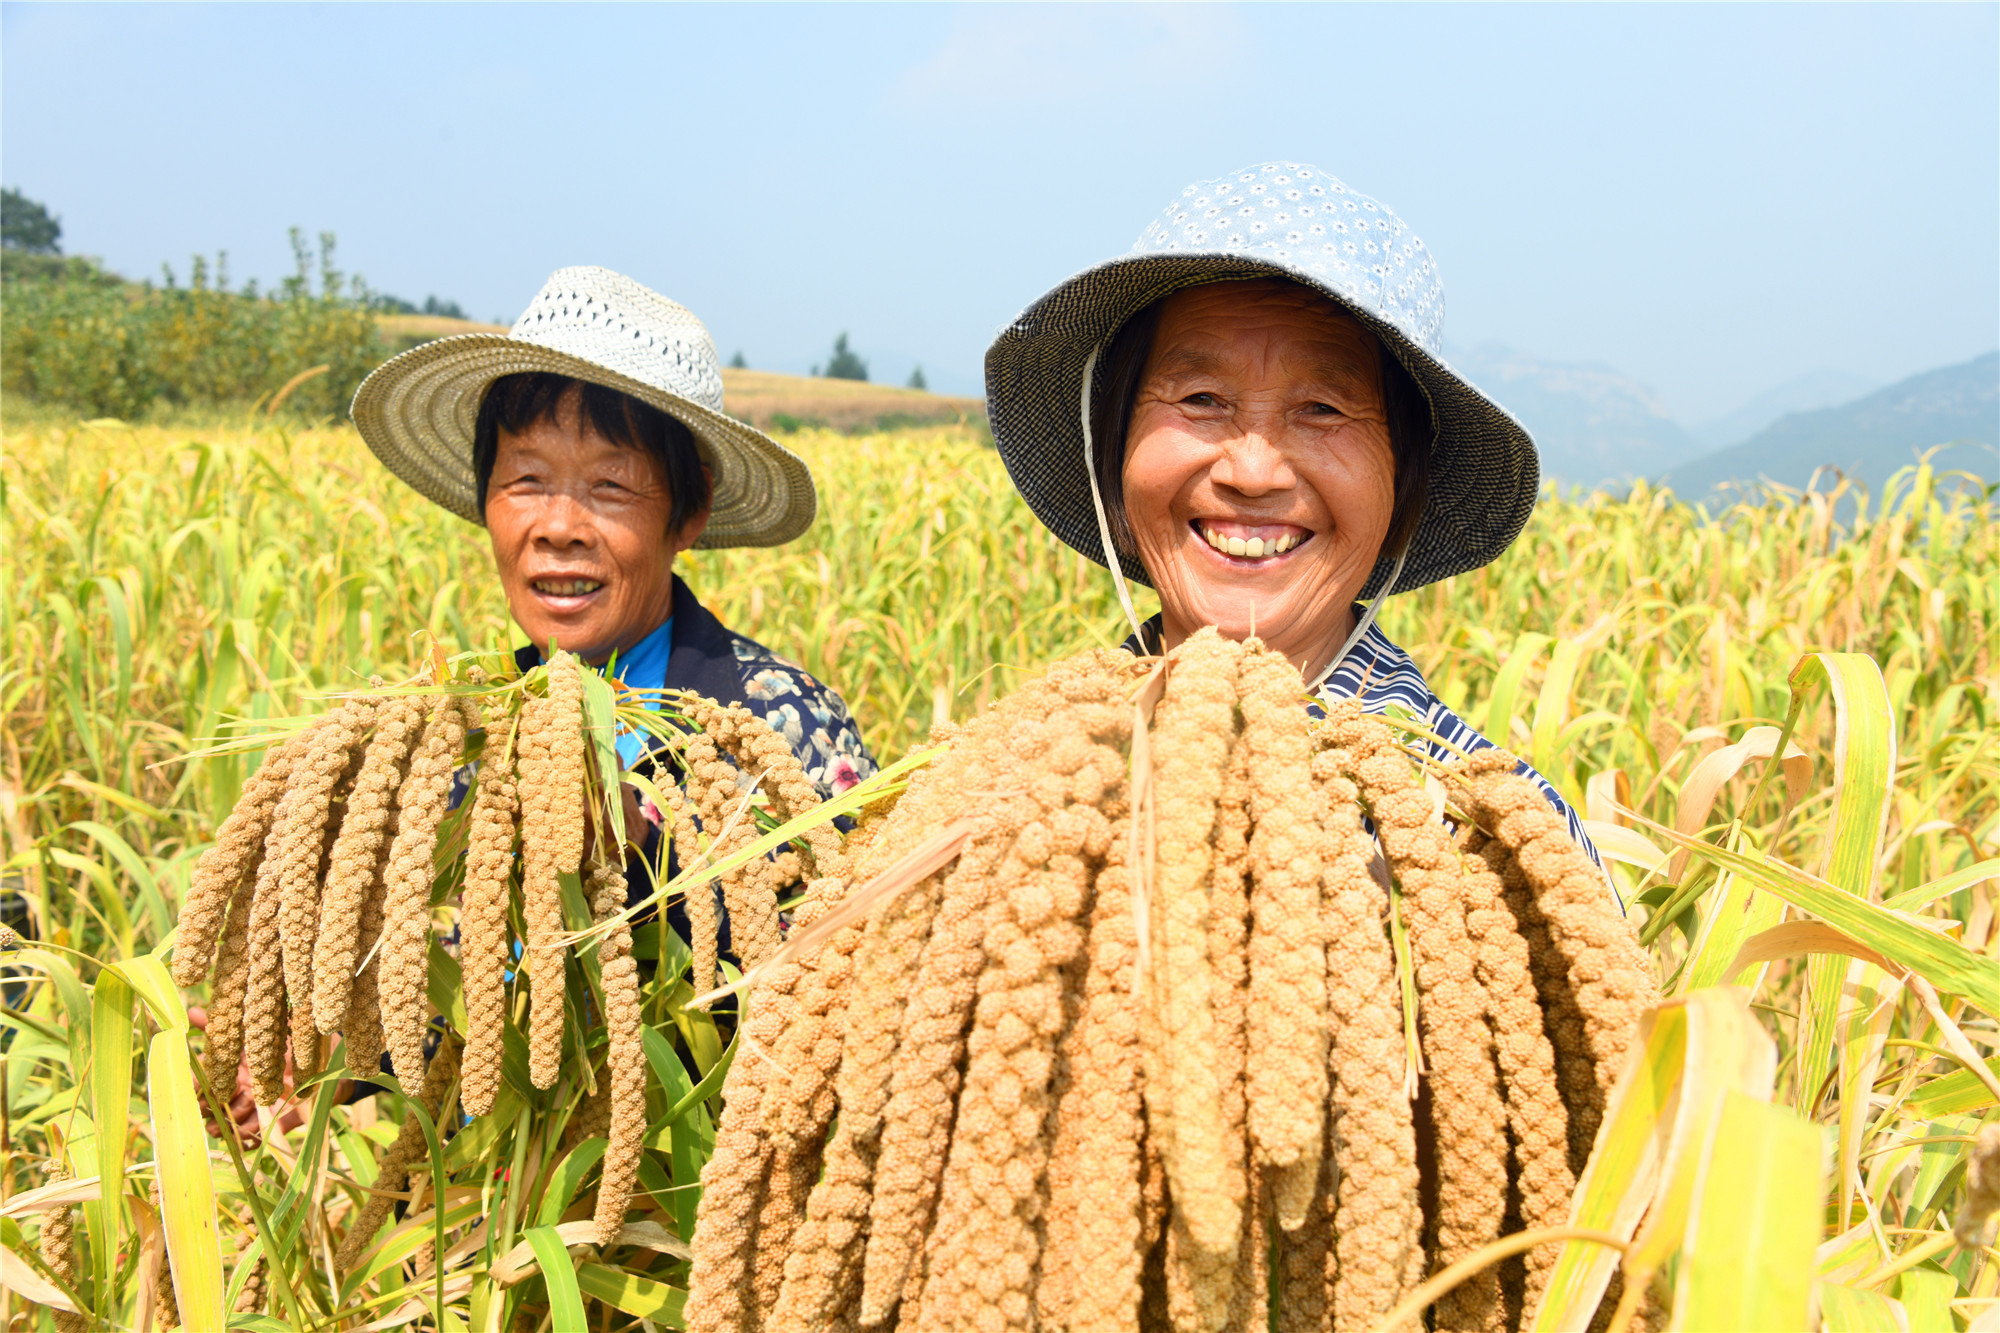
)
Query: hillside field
[
  {"x": 764, "y": 398},
  {"x": 165, "y": 585}
]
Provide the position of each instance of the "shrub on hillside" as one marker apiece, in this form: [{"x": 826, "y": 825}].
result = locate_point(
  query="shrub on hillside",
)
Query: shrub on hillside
[{"x": 75, "y": 336}]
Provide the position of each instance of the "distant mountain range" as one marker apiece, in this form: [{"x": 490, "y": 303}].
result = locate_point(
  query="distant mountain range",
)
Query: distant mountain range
[
  {"x": 1593, "y": 425},
  {"x": 1596, "y": 427},
  {"x": 1870, "y": 438}
]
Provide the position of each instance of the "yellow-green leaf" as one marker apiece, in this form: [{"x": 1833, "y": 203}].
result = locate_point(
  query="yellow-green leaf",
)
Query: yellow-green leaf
[
  {"x": 1852, "y": 1310},
  {"x": 1748, "y": 1263},
  {"x": 631, "y": 1293},
  {"x": 1864, "y": 768},
  {"x": 1620, "y": 1180},
  {"x": 194, "y": 1247},
  {"x": 1954, "y": 1094}
]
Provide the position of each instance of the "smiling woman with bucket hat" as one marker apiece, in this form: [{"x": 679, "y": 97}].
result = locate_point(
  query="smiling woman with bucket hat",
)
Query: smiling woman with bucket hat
[
  {"x": 590, "y": 441},
  {"x": 1249, "y": 412}
]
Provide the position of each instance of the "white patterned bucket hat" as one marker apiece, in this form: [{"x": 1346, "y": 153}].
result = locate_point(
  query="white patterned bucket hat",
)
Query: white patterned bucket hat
[
  {"x": 418, "y": 410},
  {"x": 1277, "y": 219}
]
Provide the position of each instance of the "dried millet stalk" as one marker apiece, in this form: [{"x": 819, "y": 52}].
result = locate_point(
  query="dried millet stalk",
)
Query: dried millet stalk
[
  {"x": 916, "y": 1124},
  {"x": 763, "y": 753},
  {"x": 406, "y": 884},
  {"x": 362, "y": 1036},
  {"x": 704, "y": 925},
  {"x": 748, "y": 892},
  {"x": 1250, "y": 1289},
  {"x": 1536, "y": 1118},
  {"x": 263, "y": 1021},
  {"x": 1202, "y": 1284},
  {"x": 1377, "y": 1218},
  {"x": 482, "y": 950},
  {"x": 309, "y": 1047},
  {"x": 994, "y": 1188},
  {"x": 1608, "y": 972},
  {"x": 551, "y": 783},
  {"x": 887, "y": 958},
  {"x": 626, "y": 1055},
  {"x": 224, "y": 868},
  {"x": 392, "y": 1169},
  {"x": 734, "y": 1183},
  {"x": 1192, "y": 728},
  {"x": 223, "y": 1049},
  {"x": 166, "y": 1305},
  {"x": 250, "y": 1296},
  {"x": 306, "y": 832},
  {"x": 799, "y": 1102},
  {"x": 1093, "y": 1255},
  {"x": 1469, "y": 1115},
  {"x": 58, "y": 1248},
  {"x": 357, "y": 856},
  {"x": 1005, "y": 750},
  {"x": 1562, "y": 1020},
  {"x": 822, "y": 1274},
  {"x": 1286, "y": 1073}
]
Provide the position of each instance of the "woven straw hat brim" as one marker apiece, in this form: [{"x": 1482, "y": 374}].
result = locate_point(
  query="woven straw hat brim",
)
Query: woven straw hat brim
[
  {"x": 1484, "y": 472},
  {"x": 418, "y": 410}
]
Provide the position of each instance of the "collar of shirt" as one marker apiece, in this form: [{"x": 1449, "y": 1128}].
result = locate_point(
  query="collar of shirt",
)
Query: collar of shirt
[
  {"x": 1372, "y": 668},
  {"x": 643, "y": 667}
]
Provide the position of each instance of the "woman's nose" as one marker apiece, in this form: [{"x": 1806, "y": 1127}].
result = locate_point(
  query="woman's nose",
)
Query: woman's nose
[
  {"x": 563, "y": 522},
  {"x": 1253, "y": 464}
]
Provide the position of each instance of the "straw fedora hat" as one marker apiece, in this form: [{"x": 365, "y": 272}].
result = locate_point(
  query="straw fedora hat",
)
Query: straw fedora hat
[
  {"x": 1277, "y": 219},
  {"x": 417, "y": 411}
]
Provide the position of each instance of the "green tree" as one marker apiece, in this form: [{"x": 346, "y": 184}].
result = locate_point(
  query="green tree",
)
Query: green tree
[
  {"x": 26, "y": 225},
  {"x": 845, "y": 363},
  {"x": 737, "y": 362},
  {"x": 918, "y": 382}
]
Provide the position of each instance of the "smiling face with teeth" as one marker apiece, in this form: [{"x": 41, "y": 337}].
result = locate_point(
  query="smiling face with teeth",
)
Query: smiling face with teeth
[
  {"x": 580, "y": 534},
  {"x": 1259, "y": 477}
]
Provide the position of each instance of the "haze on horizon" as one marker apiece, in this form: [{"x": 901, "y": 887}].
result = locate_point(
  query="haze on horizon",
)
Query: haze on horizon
[{"x": 1712, "y": 200}]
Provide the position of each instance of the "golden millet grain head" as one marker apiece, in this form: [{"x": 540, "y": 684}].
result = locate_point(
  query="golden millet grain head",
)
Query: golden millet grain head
[
  {"x": 404, "y": 962},
  {"x": 308, "y": 828},
  {"x": 483, "y": 942},
  {"x": 356, "y": 858},
  {"x": 627, "y": 1061},
  {"x": 1467, "y": 1110},
  {"x": 239, "y": 844},
  {"x": 1287, "y": 1020},
  {"x": 1193, "y": 728},
  {"x": 551, "y": 785}
]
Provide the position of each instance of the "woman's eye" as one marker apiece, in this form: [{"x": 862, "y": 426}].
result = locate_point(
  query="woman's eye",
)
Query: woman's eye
[
  {"x": 1201, "y": 400},
  {"x": 1325, "y": 409}
]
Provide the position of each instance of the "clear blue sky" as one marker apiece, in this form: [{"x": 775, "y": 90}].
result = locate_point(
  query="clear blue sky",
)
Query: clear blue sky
[{"x": 1711, "y": 199}]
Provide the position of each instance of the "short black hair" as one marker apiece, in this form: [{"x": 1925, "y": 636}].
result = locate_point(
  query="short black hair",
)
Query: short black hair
[
  {"x": 515, "y": 402},
  {"x": 1412, "y": 428}
]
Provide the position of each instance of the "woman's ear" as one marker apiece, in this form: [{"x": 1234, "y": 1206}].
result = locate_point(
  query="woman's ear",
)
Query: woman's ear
[{"x": 697, "y": 523}]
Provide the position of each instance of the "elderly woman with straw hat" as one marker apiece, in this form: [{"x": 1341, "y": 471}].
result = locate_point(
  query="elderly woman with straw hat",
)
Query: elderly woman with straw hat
[
  {"x": 590, "y": 442},
  {"x": 1250, "y": 413}
]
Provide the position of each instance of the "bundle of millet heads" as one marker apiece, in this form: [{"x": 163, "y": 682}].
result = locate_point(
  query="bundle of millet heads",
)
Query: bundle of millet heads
[
  {"x": 312, "y": 914},
  {"x": 1113, "y": 1036}
]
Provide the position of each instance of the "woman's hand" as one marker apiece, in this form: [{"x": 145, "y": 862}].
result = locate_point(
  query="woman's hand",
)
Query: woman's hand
[{"x": 243, "y": 1098}]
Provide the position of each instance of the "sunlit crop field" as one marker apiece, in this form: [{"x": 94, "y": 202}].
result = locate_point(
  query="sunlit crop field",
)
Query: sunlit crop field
[{"x": 164, "y": 585}]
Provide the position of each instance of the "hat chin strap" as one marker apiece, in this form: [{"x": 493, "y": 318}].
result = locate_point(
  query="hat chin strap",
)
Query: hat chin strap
[
  {"x": 1362, "y": 626},
  {"x": 1097, "y": 500},
  {"x": 1118, "y": 570}
]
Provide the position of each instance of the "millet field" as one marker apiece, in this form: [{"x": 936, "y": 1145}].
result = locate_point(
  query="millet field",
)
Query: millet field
[{"x": 1782, "y": 719}]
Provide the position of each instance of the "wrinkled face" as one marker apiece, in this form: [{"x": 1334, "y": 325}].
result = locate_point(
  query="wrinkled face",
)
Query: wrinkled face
[
  {"x": 1259, "y": 479},
  {"x": 579, "y": 528}
]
